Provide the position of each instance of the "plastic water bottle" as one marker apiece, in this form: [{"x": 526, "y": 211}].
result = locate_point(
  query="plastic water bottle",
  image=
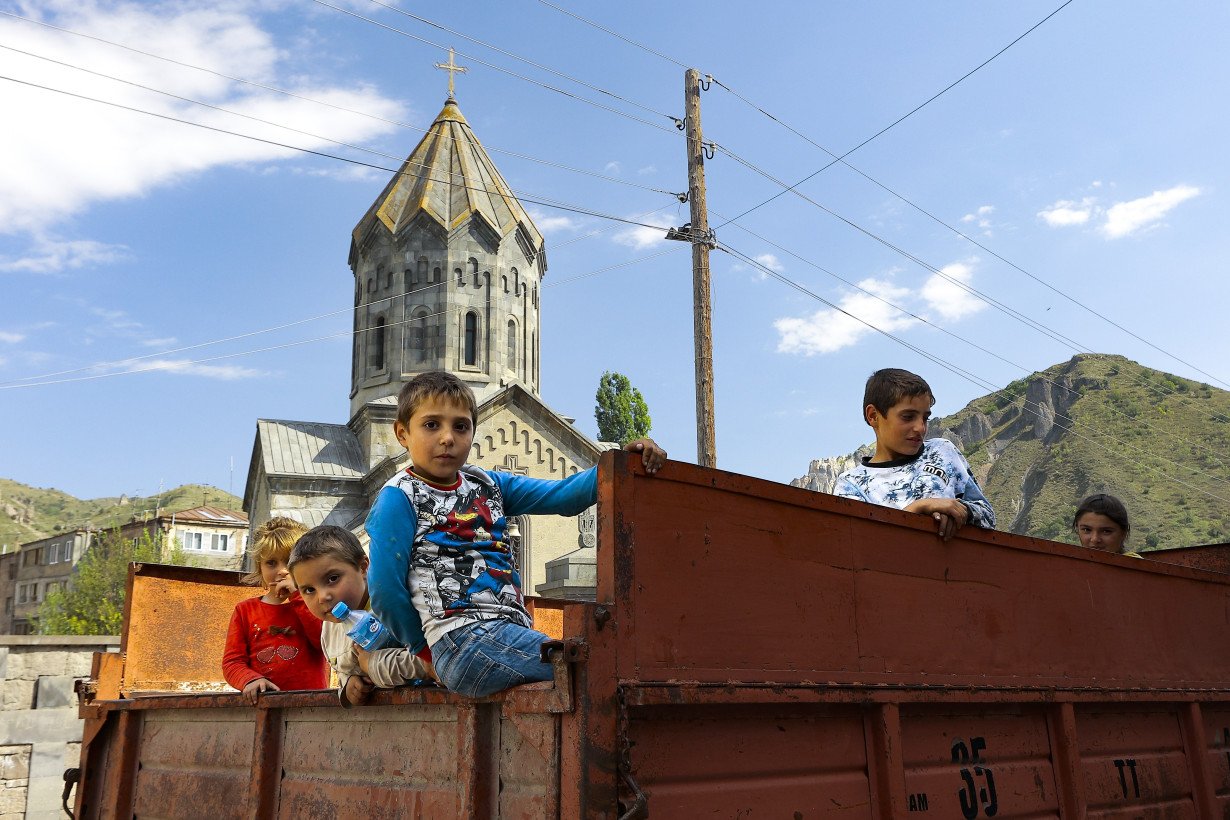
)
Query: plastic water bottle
[{"x": 365, "y": 629}]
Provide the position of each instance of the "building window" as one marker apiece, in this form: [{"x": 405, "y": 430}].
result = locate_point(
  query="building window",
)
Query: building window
[
  {"x": 533, "y": 354},
  {"x": 377, "y": 357},
  {"x": 516, "y": 282},
  {"x": 419, "y": 334},
  {"x": 435, "y": 274},
  {"x": 21, "y": 594},
  {"x": 220, "y": 542},
  {"x": 504, "y": 283},
  {"x": 53, "y": 554},
  {"x": 471, "y": 339},
  {"x": 8, "y": 606},
  {"x": 512, "y": 345},
  {"x": 192, "y": 540}
]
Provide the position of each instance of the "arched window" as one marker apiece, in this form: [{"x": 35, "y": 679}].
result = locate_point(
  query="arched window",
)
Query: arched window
[
  {"x": 516, "y": 282},
  {"x": 435, "y": 275},
  {"x": 389, "y": 281},
  {"x": 377, "y": 357},
  {"x": 460, "y": 276},
  {"x": 419, "y": 335},
  {"x": 512, "y": 345},
  {"x": 470, "y": 349},
  {"x": 504, "y": 283},
  {"x": 534, "y": 354}
]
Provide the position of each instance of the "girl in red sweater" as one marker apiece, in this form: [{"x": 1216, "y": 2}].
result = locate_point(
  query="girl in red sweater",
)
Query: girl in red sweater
[{"x": 273, "y": 641}]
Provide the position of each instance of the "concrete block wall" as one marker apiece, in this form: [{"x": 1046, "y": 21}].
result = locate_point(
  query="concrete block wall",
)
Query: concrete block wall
[{"x": 40, "y": 733}]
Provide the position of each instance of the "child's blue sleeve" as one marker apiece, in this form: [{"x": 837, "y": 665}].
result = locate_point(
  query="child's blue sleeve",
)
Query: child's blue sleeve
[
  {"x": 980, "y": 512},
  {"x": 569, "y": 496},
  {"x": 846, "y": 488},
  {"x": 391, "y": 525}
]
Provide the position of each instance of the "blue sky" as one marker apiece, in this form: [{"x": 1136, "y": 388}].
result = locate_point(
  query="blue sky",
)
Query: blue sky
[{"x": 1091, "y": 154}]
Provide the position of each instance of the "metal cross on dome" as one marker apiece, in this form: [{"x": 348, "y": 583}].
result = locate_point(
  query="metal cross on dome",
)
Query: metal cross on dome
[{"x": 452, "y": 68}]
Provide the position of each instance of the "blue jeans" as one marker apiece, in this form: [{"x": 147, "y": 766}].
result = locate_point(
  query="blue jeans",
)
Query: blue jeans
[{"x": 488, "y": 657}]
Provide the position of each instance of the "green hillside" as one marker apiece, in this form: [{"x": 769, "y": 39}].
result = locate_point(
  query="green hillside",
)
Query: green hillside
[
  {"x": 1100, "y": 423},
  {"x": 29, "y": 513}
]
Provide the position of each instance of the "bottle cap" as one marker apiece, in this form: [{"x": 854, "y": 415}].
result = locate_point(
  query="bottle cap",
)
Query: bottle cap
[{"x": 341, "y": 610}]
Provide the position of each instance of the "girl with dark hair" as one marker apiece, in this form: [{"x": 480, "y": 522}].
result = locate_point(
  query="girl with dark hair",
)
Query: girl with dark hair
[{"x": 1101, "y": 523}]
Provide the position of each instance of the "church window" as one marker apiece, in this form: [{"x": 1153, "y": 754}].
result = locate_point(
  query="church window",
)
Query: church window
[
  {"x": 473, "y": 263},
  {"x": 534, "y": 355},
  {"x": 421, "y": 278},
  {"x": 504, "y": 283},
  {"x": 435, "y": 275},
  {"x": 461, "y": 280},
  {"x": 535, "y": 297},
  {"x": 471, "y": 339},
  {"x": 419, "y": 334},
  {"x": 516, "y": 282},
  {"x": 377, "y": 357},
  {"x": 369, "y": 284},
  {"x": 512, "y": 345},
  {"x": 388, "y": 282}
]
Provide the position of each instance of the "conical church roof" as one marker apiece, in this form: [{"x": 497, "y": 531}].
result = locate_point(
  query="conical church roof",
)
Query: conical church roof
[{"x": 449, "y": 177}]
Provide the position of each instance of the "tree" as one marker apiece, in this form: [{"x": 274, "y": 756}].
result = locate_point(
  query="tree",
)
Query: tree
[
  {"x": 621, "y": 412},
  {"x": 93, "y": 603}
]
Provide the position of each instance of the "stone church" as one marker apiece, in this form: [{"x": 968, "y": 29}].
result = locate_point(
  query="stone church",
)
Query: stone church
[{"x": 447, "y": 271}]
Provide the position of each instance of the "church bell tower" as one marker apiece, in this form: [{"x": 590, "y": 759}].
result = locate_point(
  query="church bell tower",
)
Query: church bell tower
[{"x": 447, "y": 271}]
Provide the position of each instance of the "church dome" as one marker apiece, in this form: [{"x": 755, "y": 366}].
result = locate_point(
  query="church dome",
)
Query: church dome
[{"x": 449, "y": 178}]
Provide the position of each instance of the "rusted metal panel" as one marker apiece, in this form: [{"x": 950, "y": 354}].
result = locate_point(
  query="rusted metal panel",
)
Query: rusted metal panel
[
  {"x": 194, "y": 762},
  {"x": 175, "y": 621},
  {"x": 771, "y": 761},
  {"x": 1213, "y": 557},
  {"x": 720, "y": 577},
  {"x": 1133, "y": 762}
]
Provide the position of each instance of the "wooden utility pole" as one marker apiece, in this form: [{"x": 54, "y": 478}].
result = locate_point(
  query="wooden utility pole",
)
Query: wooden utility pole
[{"x": 702, "y": 241}]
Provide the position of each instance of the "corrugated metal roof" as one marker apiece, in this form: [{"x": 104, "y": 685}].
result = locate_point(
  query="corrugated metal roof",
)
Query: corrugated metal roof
[
  {"x": 306, "y": 448},
  {"x": 215, "y": 515}
]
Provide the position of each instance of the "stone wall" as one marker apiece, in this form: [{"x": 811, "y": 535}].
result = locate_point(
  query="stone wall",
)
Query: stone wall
[{"x": 40, "y": 733}]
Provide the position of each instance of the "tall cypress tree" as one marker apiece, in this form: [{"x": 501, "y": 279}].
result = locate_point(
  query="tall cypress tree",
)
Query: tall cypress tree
[{"x": 621, "y": 412}]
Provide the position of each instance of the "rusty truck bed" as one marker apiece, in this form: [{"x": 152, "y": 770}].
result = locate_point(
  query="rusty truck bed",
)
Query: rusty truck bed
[{"x": 757, "y": 650}]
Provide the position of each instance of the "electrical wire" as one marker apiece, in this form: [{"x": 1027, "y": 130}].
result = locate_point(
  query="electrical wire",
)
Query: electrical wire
[
  {"x": 982, "y": 383},
  {"x": 525, "y": 60},
  {"x": 351, "y": 146},
  {"x": 531, "y": 198},
  {"x": 297, "y": 343},
  {"x": 615, "y": 34},
  {"x": 671, "y": 130},
  {"x": 912, "y": 111},
  {"x": 969, "y": 342}
]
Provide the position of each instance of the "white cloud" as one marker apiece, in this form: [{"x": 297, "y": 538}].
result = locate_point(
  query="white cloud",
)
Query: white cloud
[
  {"x": 187, "y": 367},
  {"x": 648, "y": 169},
  {"x": 771, "y": 262},
  {"x": 948, "y": 299},
  {"x": 829, "y": 330},
  {"x": 11, "y": 338},
  {"x": 166, "y": 341},
  {"x": 64, "y": 154},
  {"x": 45, "y": 255},
  {"x": 981, "y": 218},
  {"x": 641, "y": 237},
  {"x": 613, "y": 167},
  {"x": 1068, "y": 212},
  {"x": 548, "y": 223},
  {"x": 1125, "y": 218}
]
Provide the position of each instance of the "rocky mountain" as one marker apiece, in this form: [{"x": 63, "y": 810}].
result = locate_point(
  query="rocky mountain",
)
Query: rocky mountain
[
  {"x": 1096, "y": 423},
  {"x": 30, "y": 513}
]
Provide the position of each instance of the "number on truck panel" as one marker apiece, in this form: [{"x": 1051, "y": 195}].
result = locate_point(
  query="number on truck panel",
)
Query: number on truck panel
[
  {"x": 972, "y": 796},
  {"x": 1130, "y": 764}
]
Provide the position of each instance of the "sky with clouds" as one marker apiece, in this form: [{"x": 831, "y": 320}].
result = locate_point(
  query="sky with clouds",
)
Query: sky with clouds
[{"x": 167, "y": 282}]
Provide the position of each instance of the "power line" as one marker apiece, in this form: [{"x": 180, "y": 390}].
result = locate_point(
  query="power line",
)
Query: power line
[
  {"x": 975, "y": 345},
  {"x": 503, "y": 70},
  {"x": 1007, "y": 310},
  {"x": 976, "y": 380},
  {"x": 338, "y": 335},
  {"x": 360, "y": 148},
  {"x": 909, "y": 113},
  {"x": 532, "y": 199},
  {"x": 615, "y": 34},
  {"x": 525, "y": 60}
]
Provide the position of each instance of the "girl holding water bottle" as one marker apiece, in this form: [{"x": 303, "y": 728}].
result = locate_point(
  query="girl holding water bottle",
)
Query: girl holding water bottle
[{"x": 330, "y": 569}]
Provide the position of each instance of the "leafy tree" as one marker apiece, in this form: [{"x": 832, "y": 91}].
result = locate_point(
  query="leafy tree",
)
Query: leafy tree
[
  {"x": 93, "y": 603},
  {"x": 621, "y": 412}
]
